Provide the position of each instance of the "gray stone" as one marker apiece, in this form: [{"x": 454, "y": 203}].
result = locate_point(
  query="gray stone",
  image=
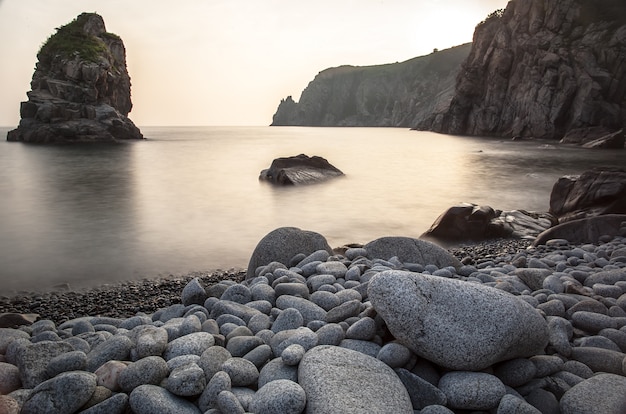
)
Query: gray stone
[
  {"x": 276, "y": 369},
  {"x": 193, "y": 293},
  {"x": 366, "y": 347},
  {"x": 212, "y": 359},
  {"x": 7, "y": 335},
  {"x": 412, "y": 251},
  {"x": 599, "y": 360},
  {"x": 241, "y": 345},
  {"x": 32, "y": 360},
  {"x": 560, "y": 332},
  {"x": 259, "y": 355},
  {"x": 242, "y": 372},
  {"x": 547, "y": 364},
  {"x": 436, "y": 409},
  {"x": 421, "y": 392},
  {"x": 344, "y": 311},
  {"x": 510, "y": 404},
  {"x": 282, "y": 244},
  {"x": 330, "y": 334},
  {"x": 218, "y": 383},
  {"x": 149, "y": 399},
  {"x": 279, "y": 397},
  {"x": 363, "y": 329},
  {"x": 186, "y": 381},
  {"x": 472, "y": 390},
  {"x": 148, "y": 370},
  {"x": 358, "y": 384},
  {"x": 325, "y": 300},
  {"x": 237, "y": 293},
  {"x": 584, "y": 230},
  {"x": 289, "y": 318},
  {"x": 516, "y": 372},
  {"x": 458, "y": 325},
  {"x": 394, "y": 354},
  {"x": 227, "y": 402},
  {"x": 301, "y": 336},
  {"x": 68, "y": 361},
  {"x": 65, "y": 393},
  {"x": 115, "y": 404},
  {"x": 195, "y": 343},
  {"x": 593, "y": 322},
  {"x": 336, "y": 269},
  {"x": 309, "y": 310},
  {"x": 262, "y": 291},
  {"x": 315, "y": 282},
  {"x": 151, "y": 341},
  {"x": 603, "y": 393},
  {"x": 82, "y": 326},
  {"x": 227, "y": 307},
  {"x": 117, "y": 347},
  {"x": 292, "y": 289},
  {"x": 292, "y": 355}
]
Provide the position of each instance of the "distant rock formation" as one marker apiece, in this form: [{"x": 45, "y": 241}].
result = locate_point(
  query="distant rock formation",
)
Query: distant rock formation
[
  {"x": 299, "y": 169},
  {"x": 542, "y": 68},
  {"x": 392, "y": 95},
  {"x": 80, "y": 91}
]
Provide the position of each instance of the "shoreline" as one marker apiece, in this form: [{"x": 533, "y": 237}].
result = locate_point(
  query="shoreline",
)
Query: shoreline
[{"x": 127, "y": 298}]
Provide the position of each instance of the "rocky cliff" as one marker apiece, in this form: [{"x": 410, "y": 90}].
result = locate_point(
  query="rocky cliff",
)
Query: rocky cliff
[
  {"x": 398, "y": 94},
  {"x": 80, "y": 91},
  {"x": 544, "y": 69}
]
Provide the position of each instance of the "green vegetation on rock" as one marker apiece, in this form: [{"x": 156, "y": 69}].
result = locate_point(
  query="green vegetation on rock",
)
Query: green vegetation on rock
[{"x": 71, "y": 40}]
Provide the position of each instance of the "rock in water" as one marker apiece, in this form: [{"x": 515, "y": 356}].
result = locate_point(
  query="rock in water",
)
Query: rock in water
[
  {"x": 80, "y": 88},
  {"x": 300, "y": 169},
  {"x": 339, "y": 380},
  {"x": 455, "y": 324}
]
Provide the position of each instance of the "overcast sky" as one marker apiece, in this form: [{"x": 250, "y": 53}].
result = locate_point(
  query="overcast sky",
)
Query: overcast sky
[{"x": 230, "y": 62}]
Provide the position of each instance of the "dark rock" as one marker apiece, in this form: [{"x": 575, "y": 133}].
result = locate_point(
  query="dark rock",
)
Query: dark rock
[
  {"x": 592, "y": 193},
  {"x": 397, "y": 94},
  {"x": 586, "y": 230},
  {"x": 470, "y": 222},
  {"x": 80, "y": 91},
  {"x": 282, "y": 244},
  {"x": 539, "y": 69},
  {"x": 610, "y": 141},
  {"x": 299, "y": 169}
]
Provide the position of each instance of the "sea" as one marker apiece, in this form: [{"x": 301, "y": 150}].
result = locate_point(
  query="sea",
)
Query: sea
[{"x": 188, "y": 199}]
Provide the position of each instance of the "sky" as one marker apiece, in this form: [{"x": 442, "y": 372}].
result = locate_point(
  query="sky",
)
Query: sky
[{"x": 230, "y": 62}]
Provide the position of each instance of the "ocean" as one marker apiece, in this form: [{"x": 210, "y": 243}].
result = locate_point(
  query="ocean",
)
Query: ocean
[{"x": 189, "y": 199}]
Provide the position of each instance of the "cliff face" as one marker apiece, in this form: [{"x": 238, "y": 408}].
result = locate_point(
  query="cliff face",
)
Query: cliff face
[
  {"x": 80, "y": 91},
  {"x": 543, "y": 69},
  {"x": 397, "y": 95}
]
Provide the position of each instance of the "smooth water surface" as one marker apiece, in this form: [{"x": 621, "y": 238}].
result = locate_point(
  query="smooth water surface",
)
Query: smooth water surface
[{"x": 189, "y": 198}]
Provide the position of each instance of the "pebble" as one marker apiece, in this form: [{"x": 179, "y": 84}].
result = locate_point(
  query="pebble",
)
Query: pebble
[{"x": 316, "y": 335}]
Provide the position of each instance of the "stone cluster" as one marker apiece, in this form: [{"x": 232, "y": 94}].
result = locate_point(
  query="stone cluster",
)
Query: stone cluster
[{"x": 541, "y": 330}]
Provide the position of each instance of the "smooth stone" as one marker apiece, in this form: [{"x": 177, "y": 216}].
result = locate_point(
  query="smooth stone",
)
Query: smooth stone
[
  {"x": 472, "y": 390},
  {"x": 279, "y": 397},
  {"x": 340, "y": 380},
  {"x": 151, "y": 341},
  {"x": 293, "y": 354},
  {"x": 459, "y": 325},
  {"x": 410, "y": 250},
  {"x": 117, "y": 347},
  {"x": 116, "y": 404},
  {"x": 366, "y": 347},
  {"x": 194, "y": 343},
  {"x": 330, "y": 334},
  {"x": 242, "y": 372},
  {"x": 241, "y": 345},
  {"x": 603, "y": 393},
  {"x": 193, "y": 293},
  {"x": 32, "y": 360},
  {"x": 65, "y": 393},
  {"x": 7, "y": 335},
  {"x": 68, "y": 361},
  {"x": 149, "y": 399},
  {"x": 363, "y": 329},
  {"x": 292, "y": 289},
  {"x": 276, "y": 369},
  {"x": 302, "y": 336},
  {"x": 325, "y": 300},
  {"x": 149, "y": 370},
  {"x": 421, "y": 392},
  {"x": 9, "y": 405},
  {"x": 259, "y": 355},
  {"x": 592, "y": 322},
  {"x": 599, "y": 359},
  {"x": 218, "y": 383},
  {"x": 212, "y": 359},
  {"x": 394, "y": 354},
  {"x": 309, "y": 310},
  {"x": 344, "y": 311},
  {"x": 227, "y": 402},
  {"x": 227, "y": 307},
  {"x": 336, "y": 269},
  {"x": 186, "y": 381},
  {"x": 510, "y": 404},
  {"x": 516, "y": 372},
  {"x": 9, "y": 378},
  {"x": 289, "y": 318}
]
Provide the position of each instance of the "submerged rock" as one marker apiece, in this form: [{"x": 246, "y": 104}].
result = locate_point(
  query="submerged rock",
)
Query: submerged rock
[
  {"x": 299, "y": 169},
  {"x": 80, "y": 91}
]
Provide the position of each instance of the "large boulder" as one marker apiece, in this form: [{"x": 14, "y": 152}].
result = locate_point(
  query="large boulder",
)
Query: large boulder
[
  {"x": 586, "y": 230},
  {"x": 592, "y": 193},
  {"x": 456, "y": 324},
  {"x": 282, "y": 244},
  {"x": 471, "y": 222},
  {"x": 410, "y": 250},
  {"x": 340, "y": 380},
  {"x": 613, "y": 140},
  {"x": 80, "y": 91},
  {"x": 299, "y": 169}
]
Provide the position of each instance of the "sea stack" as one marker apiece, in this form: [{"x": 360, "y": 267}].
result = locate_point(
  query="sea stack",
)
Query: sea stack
[{"x": 80, "y": 91}]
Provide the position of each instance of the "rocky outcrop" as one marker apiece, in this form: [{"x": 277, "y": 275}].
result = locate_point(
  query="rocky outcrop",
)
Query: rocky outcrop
[
  {"x": 542, "y": 68},
  {"x": 299, "y": 169},
  {"x": 592, "y": 193},
  {"x": 80, "y": 91},
  {"x": 470, "y": 222},
  {"x": 393, "y": 95}
]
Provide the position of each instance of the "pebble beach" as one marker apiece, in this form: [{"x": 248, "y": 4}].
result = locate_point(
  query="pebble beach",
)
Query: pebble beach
[{"x": 499, "y": 326}]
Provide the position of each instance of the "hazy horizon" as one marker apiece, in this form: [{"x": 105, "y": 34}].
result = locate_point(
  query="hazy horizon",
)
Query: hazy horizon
[{"x": 229, "y": 63}]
